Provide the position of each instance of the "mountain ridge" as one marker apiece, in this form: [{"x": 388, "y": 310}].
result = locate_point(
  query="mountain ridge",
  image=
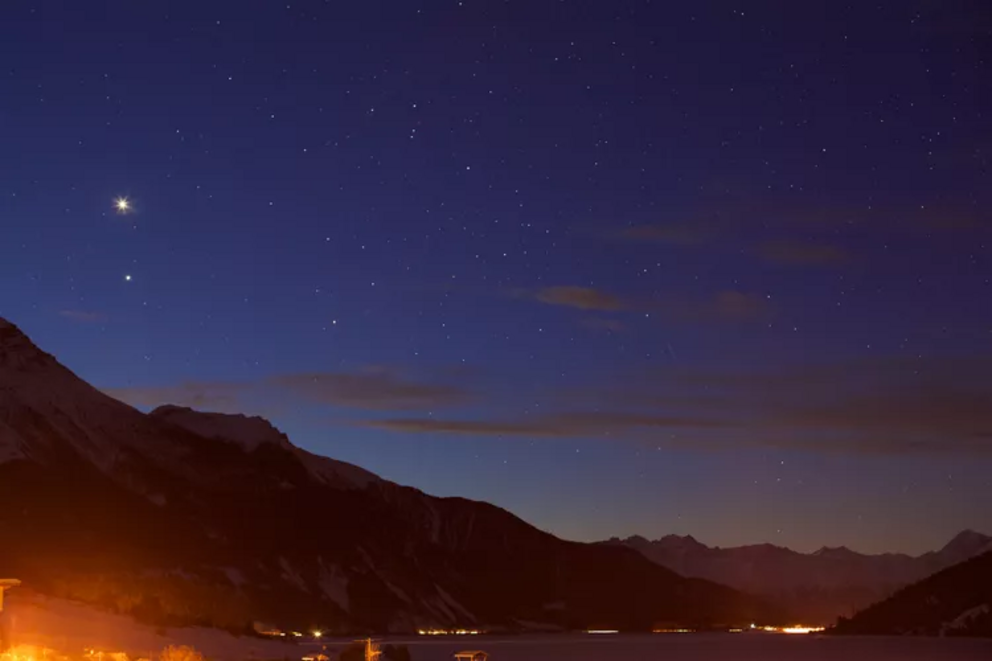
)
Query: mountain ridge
[
  {"x": 956, "y": 601},
  {"x": 967, "y": 538},
  {"x": 183, "y": 517},
  {"x": 817, "y": 587}
]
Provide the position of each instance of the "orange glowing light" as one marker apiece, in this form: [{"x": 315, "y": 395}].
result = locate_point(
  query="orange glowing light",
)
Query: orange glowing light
[
  {"x": 800, "y": 629},
  {"x": 448, "y": 632}
]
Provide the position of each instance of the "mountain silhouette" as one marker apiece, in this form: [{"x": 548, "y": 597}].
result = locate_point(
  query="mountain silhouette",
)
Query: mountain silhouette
[
  {"x": 182, "y": 517},
  {"x": 816, "y": 587}
]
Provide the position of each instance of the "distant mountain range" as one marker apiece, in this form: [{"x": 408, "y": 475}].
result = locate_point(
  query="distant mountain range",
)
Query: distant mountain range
[
  {"x": 816, "y": 587},
  {"x": 954, "y": 602},
  {"x": 184, "y": 517}
]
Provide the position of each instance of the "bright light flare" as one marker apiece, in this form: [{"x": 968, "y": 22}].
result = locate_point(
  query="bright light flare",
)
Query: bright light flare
[
  {"x": 794, "y": 629},
  {"x": 122, "y": 205},
  {"x": 449, "y": 632},
  {"x": 31, "y": 653},
  {"x": 799, "y": 629}
]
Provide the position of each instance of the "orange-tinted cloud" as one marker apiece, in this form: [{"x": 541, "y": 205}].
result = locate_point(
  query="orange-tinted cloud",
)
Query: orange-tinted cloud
[
  {"x": 588, "y": 424},
  {"x": 83, "y": 316},
  {"x": 724, "y": 307},
  {"x": 374, "y": 389},
  {"x": 582, "y": 298}
]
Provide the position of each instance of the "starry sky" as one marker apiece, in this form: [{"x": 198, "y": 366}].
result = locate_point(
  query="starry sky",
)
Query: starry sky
[{"x": 625, "y": 266}]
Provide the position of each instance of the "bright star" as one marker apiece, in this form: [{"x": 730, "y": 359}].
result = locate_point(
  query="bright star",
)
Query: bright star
[
  {"x": 127, "y": 278},
  {"x": 122, "y": 204}
]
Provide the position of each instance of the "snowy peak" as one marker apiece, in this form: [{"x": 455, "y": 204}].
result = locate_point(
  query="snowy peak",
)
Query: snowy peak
[
  {"x": 47, "y": 411},
  {"x": 41, "y": 400},
  {"x": 335, "y": 473},
  {"x": 18, "y": 353},
  {"x": 688, "y": 543},
  {"x": 248, "y": 432},
  {"x": 966, "y": 544},
  {"x": 36, "y": 379}
]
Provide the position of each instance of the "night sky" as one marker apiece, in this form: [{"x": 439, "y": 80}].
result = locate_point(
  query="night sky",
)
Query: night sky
[{"x": 619, "y": 266}]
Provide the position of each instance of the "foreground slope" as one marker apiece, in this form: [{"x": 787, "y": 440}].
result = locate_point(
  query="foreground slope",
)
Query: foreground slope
[
  {"x": 816, "y": 587},
  {"x": 184, "y": 517},
  {"x": 70, "y": 627},
  {"x": 954, "y": 602}
]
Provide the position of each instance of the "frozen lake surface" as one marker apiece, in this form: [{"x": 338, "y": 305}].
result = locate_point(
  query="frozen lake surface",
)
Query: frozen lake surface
[{"x": 719, "y": 647}]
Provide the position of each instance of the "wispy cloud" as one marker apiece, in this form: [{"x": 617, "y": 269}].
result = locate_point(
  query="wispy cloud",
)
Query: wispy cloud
[
  {"x": 729, "y": 306},
  {"x": 724, "y": 306},
  {"x": 463, "y": 427},
  {"x": 884, "y": 406},
  {"x": 880, "y": 406},
  {"x": 891, "y": 405},
  {"x": 202, "y": 395},
  {"x": 589, "y": 424},
  {"x": 83, "y": 316},
  {"x": 582, "y": 298},
  {"x": 373, "y": 389}
]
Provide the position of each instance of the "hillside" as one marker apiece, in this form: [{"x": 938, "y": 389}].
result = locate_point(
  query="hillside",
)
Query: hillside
[
  {"x": 816, "y": 587},
  {"x": 179, "y": 517},
  {"x": 954, "y": 602},
  {"x": 57, "y": 624}
]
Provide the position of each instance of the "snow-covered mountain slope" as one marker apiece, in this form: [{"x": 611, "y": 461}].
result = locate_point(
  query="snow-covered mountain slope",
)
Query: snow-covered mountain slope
[
  {"x": 42, "y": 403},
  {"x": 247, "y": 432},
  {"x": 250, "y": 433},
  {"x": 185, "y": 517},
  {"x": 38, "y": 396},
  {"x": 70, "y": 628}
]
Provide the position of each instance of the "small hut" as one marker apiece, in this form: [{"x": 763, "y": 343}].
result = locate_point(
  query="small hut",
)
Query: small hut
[
  {"x": 471, "y": 655},
  {"x": 5, "y": 584}
]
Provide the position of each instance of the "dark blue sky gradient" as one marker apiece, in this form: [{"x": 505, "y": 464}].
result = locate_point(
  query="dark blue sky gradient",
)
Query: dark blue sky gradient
[{"x": 621, "y": 267}]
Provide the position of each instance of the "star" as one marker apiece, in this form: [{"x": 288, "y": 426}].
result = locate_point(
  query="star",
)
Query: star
[
  {"x": 127, "y": 278},
  {"x": 122, "y": 205}
]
